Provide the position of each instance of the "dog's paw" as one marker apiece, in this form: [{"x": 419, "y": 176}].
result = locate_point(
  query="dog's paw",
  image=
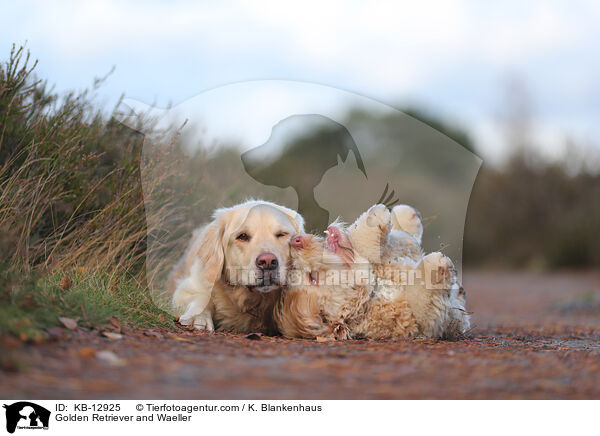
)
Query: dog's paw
[
  {"x": 379, "y": 216},
  {"x": 439, "y": 269},
  {"x": 202, "y": 321},
  {"x": 369, "y": 233},
  {"x": 407, "y": 219}
]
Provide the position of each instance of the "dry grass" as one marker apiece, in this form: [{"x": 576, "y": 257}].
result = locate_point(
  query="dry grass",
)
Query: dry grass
[{"x": 70, "y": 187}]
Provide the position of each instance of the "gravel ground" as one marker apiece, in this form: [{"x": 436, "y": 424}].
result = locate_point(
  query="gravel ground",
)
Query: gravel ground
[{"x": 535, "y": 336}]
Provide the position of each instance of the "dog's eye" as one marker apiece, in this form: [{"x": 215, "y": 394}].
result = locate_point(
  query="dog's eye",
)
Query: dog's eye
[
  {"x": 243, "y": 237},
  {"x": 281, "y": 234}
]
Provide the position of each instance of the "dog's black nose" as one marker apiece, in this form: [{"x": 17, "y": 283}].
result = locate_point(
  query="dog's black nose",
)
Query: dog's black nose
[{"x": 267, "y": 261}]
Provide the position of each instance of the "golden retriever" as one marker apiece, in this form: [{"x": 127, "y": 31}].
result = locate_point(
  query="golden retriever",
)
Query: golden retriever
[{"x": 231, "y": 274}]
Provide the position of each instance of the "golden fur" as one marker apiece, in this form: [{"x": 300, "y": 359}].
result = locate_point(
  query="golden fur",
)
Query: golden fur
[
  {"x": 346, "y": 302},
  {"x": 217, "y": 284},
  {"x": 318, "y": 301}
]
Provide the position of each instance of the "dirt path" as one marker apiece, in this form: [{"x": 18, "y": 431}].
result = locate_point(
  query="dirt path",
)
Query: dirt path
[{"x": 535, "y": 337}]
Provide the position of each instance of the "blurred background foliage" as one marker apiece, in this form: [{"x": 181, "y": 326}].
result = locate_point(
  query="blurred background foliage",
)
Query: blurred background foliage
[{"x": 71, "y": 192}]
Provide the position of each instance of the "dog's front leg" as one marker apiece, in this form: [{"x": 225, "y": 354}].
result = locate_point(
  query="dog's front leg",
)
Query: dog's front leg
[
  {"x": 197, "y": 317},
  {"x": 193, "y": 296}
]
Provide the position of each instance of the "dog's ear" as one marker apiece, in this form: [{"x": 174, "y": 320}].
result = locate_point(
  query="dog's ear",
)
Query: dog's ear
[
  {"x": 210, "y": 249},
  {"x": 295, "y": 218}
]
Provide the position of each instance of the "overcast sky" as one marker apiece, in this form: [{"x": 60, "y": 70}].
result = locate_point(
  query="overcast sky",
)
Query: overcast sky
[{"x": 450, "y": 57}]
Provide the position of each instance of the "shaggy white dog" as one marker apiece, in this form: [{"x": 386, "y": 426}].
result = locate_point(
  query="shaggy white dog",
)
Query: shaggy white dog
[
  {"x": 371, "y": 280},
  {"x": 389, "y": 241}
]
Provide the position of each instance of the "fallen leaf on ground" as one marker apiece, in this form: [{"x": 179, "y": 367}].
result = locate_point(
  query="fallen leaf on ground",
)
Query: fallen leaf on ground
[
  {"x": 161, "y": 317},
  {"x": 109, "y": 357},
  {"x": 179, "y": 338},
  {"x": 114, "y": 322},
  {"x": 184, "y": 327},
  {"x": 325, "y": 339},
  {"x": 87, "y": 352},
  {"x": 69, "y": 323},
  {"x": 153, "y": 334},
  {"x": 112, "y": 335},
  {"x": 253, "y": 336}
]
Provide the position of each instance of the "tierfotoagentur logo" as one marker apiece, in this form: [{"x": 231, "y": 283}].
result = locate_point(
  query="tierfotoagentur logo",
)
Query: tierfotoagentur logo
[
  {"x": 24, "y": 415},
  {"x": 326, "y": 153}
]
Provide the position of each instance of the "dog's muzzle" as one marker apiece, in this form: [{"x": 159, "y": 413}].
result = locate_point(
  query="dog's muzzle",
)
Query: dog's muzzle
[{"x": 267, "y": 278}]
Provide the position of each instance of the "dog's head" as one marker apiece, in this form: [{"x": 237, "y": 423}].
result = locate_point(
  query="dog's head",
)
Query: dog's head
[
  {"x": 312, "y": 257},
  {"x": 248, "y": 245}
]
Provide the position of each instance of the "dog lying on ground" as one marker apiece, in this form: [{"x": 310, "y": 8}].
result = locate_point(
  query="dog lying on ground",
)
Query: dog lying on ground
[
  {"x": 322, "y": 298},
  {"x": 231, "y": 274},
  {"x": 383, "y": 239},
  {"x": 369, "y": 280}
]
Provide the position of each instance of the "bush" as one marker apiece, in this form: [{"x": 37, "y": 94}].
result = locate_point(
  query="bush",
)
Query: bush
[
  {"x": 70, "y": 196},
  {"x": 533, "y": 216},
  {"x": 69, "y": 180}
]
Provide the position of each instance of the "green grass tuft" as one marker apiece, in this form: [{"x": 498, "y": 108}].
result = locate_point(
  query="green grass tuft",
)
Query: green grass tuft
[{"x": 29, "y": 306}]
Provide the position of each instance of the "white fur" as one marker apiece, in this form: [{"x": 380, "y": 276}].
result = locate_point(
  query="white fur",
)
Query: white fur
[
  {"x": 407, "y": 219},
  {"x": 433, "y": 298},
  {"x": 193, "y": 294}
]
